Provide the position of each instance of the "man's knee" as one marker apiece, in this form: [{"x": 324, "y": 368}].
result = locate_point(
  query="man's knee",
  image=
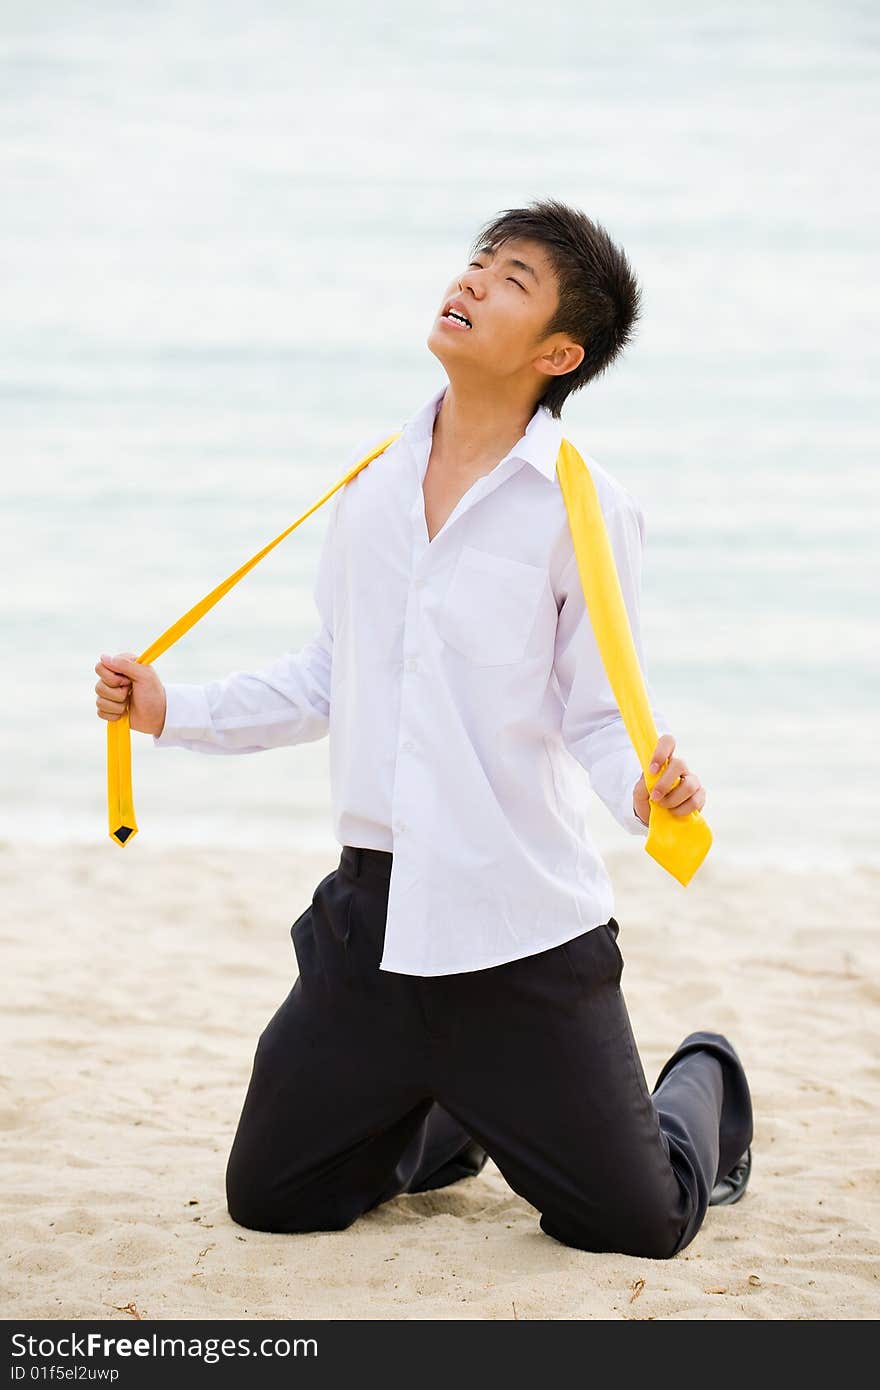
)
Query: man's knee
[
  {"x": 247, "y": 1199},
  {"x": 652, "y": 1234},
  {"x": 256, "y": 1205},
  {"x": 260, "y": 1212},
  {"x": 258, "y": 1215}
]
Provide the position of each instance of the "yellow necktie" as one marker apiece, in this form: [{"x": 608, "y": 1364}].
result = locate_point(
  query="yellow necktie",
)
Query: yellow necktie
[{"x": 678, "y": 843}]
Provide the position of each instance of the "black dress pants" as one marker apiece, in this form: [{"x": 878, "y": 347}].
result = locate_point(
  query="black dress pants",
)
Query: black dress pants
[{"x": 368, "y": 1084}]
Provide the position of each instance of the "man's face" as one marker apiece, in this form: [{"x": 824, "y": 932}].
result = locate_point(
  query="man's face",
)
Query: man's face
[{"x": 508, "y": 293}]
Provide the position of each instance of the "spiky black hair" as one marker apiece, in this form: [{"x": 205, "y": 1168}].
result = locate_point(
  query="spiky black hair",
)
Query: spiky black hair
[{"x": 599, "y": 297}]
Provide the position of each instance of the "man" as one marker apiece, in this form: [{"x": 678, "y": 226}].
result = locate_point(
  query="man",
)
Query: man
[{"x": 458, "y": 993}]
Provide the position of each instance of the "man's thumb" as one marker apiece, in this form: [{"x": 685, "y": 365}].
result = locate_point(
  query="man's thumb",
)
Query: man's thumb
[{"x": 126, "y": 663}]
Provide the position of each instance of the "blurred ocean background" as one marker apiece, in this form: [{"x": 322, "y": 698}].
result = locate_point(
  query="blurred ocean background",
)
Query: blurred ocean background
[{"x": 226, "y": 231}]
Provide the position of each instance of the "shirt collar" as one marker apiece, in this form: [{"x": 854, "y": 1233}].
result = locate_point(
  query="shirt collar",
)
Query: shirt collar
[{"x": 539, "y": 446}]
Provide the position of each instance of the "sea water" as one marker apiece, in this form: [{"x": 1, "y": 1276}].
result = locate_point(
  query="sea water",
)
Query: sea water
[{"x": 226, "y": 233}]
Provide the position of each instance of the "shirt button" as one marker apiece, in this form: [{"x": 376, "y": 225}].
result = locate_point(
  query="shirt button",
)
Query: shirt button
[
  {"x": 420, "y": 583},
  {"x": 407, "y": 745},
  {"x": 400, "y": 827},
  {"x": 412, "y": 663}
]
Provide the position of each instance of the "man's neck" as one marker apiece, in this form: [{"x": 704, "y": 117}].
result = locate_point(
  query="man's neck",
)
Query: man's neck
[{"x": 472, "y": 428}]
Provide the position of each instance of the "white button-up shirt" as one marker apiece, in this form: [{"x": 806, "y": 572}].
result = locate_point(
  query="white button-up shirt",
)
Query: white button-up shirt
[{"x": 463, "y": 692}]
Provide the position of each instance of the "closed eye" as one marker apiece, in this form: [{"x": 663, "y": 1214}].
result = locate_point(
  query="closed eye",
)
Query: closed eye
[{"x": 510, "y": 277}]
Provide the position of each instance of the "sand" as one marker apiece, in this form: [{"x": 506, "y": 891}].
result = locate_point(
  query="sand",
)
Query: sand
[{"x": 139, "y": 979}]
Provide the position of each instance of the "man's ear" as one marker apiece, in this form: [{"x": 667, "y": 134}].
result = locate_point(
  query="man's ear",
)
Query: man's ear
[{"x": 565, "y": 357}]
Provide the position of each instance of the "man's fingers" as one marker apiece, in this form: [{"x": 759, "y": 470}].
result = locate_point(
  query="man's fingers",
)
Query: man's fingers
[
  {"x": 688, "y": 795},
  {"x": 670, "y": 774},
  {"x": 125, "y": 663},
  {"x": 109, "y": 676},
  {"x": 665, "y": 748},
  {"x": 683, "y": 792},
  {"x": 110, "y": 679},
  {"x": 693, "y": 803},
  {"x": 110, "y": 709},
  {"x": 112, "y": 699},
  {"x": 113, "y": 688},
  {"x": 113, "y": 692}
]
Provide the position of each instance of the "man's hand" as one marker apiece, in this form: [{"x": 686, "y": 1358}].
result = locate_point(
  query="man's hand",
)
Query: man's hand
[
  {"x": 687, "y": 795},
  {"x": 126, "y": 684}
]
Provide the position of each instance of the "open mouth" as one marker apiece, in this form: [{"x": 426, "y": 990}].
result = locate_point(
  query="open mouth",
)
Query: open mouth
[{"x": 453, "y": 316}]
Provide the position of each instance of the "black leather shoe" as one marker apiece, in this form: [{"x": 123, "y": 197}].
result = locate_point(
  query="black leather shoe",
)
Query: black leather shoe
[
  {"x": 729, "y": 1190},
  {"x": 735, "y": 1123}
]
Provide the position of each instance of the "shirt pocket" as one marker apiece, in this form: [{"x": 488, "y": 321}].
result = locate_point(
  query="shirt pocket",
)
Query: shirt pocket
[{"x": 489, "y": 608}]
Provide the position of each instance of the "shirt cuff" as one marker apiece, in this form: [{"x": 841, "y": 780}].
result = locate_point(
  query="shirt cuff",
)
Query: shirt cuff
[
  {"x": 187, "y": 716},
  {"x": 613, "y": 777}
]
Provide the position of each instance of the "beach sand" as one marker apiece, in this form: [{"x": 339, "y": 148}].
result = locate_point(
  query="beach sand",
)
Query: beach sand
[{"x": 139, "y": 980}]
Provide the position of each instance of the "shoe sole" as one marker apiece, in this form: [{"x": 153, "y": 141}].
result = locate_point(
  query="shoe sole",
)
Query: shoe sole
[{"x": 727, "y": 1195}]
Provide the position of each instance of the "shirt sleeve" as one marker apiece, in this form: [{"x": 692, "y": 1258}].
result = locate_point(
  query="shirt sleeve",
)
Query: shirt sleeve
[
  {"x": 592, "y": 726},
  {"x": 285, "y": 702}
]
